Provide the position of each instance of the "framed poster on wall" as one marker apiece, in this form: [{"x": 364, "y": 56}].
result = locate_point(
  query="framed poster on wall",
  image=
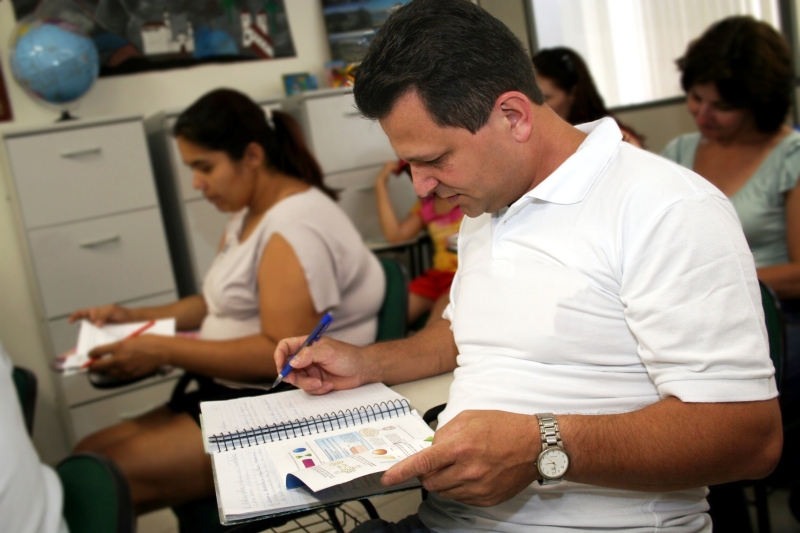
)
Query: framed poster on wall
[
  {"x": 351, "y": 25},
  {"x": 133, "y": 36}
]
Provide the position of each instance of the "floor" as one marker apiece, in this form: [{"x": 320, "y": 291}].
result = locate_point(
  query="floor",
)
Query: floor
[{"x": 396, "y": 506}]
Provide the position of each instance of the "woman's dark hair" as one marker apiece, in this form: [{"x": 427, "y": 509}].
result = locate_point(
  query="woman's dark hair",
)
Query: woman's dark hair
[
  {"x": 750, "y": 64},
  {"x": 569, "y": 72},
  {"x": 228, "y": 121},
  {"x": 456, "y": 56}
]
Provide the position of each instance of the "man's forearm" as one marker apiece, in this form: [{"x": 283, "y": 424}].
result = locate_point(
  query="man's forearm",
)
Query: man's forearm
[
  {"x": 672, "y": 445},
  {"x": 429, "y": 352}
]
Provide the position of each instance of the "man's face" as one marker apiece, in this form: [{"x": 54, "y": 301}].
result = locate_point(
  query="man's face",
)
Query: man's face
[{"x": 475, "y": 172}]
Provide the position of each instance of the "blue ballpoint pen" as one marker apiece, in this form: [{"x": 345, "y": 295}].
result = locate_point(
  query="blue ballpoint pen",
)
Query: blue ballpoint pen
[{"x": 311, "y": 339}]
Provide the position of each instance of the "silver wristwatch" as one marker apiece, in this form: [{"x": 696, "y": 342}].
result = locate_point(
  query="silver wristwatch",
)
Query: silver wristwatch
[{"x": 553, "y": 460}]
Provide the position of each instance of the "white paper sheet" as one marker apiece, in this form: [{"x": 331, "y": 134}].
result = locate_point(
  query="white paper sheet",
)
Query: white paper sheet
[{"x": 91, "y": 336}]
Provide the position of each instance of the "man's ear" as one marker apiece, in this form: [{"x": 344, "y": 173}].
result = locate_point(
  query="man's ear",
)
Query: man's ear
[
  {"x": 515, "y": 109},
  {"x": 254, "y": 155}
]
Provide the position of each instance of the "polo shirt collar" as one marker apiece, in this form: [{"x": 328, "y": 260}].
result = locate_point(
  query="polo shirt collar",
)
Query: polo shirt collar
[{"x": 570, "y": 182}]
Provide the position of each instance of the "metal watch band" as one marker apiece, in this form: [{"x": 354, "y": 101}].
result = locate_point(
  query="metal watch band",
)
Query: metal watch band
[
  {"x": 551, "y": 438},
  {"x": 548, "y": 428}
]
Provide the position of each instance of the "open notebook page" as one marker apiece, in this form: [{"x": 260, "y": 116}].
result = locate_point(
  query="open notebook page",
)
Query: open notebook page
[
  {"x": 252, "y": 482},
  {"x": 244, "y": 414}
]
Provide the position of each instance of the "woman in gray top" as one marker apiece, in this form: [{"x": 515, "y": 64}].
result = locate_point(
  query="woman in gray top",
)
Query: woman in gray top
[{"x": 289, "y": 254}]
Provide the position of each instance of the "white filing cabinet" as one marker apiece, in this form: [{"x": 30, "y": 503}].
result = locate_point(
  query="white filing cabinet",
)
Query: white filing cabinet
[
  {"x": 194, "y": 225},
  {"x": 88, "y": 214},
  {"x": 351, "y": 151}
]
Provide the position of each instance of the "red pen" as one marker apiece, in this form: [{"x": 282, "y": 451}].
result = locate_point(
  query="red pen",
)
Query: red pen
[{"x": 136, "y": 333}]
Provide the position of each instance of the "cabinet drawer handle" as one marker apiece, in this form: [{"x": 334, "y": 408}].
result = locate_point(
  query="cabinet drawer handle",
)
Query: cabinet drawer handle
[
  {"x": 139, "y": 412},
  {"x": 79, "y": 153},
  {"x": 364, "y": 188},
  {"x": 354, "y": 113},
  {"x": 100, "y": 241}
]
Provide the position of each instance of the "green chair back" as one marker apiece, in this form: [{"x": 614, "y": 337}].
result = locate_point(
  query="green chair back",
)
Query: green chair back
[
  {"x": 26, "y": 385},
  {"x": 96, "y": 496},
  {"x": 393, "y": 315},
  {"x": 775, "y": 331}
]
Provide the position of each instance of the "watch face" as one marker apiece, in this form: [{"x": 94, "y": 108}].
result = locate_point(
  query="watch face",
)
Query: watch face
[{"x": 553, "y": 463}]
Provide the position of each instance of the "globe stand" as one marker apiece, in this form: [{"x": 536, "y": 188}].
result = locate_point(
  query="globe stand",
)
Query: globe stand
[{"x": 65, "y": 116}]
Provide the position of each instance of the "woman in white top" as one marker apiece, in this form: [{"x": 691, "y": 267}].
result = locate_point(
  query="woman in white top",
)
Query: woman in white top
[{"x": 289, "y": 254}]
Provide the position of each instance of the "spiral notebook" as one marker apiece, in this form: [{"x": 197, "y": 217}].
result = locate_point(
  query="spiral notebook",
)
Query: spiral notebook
[{"x": 258, "y": 443}]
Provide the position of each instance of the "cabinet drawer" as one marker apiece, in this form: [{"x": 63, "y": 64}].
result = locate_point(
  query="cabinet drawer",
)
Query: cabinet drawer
[
  {"x": 205, "y": 225},
  {"x": 80, "y": 392},
  {"x": 76, "y": 174},
  {"x": 341, "y": 138},
  {"x": 94, "y": 416},
  {"x": 111, "y": 259}
]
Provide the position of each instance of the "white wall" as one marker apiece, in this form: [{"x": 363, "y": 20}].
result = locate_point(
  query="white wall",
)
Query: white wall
[
  {"x": 123, "y": 95},
  {"x": 512, "y": 14}
]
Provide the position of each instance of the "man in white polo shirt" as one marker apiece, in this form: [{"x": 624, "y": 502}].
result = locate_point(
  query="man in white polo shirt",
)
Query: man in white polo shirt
[{"x": 605, "y": 325}]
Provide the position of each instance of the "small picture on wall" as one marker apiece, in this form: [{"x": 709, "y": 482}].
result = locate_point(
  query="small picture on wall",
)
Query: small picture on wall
[
  {"x": 298, "y": 83},
  {"x": 164, "y": 34},
  {"x": 352, "y": 24},
  {"x": 5, "y": 102}
]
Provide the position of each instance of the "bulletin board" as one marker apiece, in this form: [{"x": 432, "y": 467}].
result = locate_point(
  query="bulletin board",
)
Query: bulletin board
[{"x": 134, "y": 36}]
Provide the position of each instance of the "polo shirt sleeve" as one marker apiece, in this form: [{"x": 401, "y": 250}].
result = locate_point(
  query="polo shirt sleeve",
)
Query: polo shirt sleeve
[{"x": 691, "y": 299}]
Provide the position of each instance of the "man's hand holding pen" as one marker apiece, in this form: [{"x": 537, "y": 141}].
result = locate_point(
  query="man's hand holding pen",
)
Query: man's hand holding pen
[{"x": 324, "y": 366}]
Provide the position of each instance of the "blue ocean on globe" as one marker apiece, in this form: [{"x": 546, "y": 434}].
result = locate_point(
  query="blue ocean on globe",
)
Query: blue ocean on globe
[{"x": 53, "y": 63}]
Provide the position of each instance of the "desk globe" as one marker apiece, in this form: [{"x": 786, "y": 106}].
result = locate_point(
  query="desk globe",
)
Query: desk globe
[{"x": 54, "y": 62}]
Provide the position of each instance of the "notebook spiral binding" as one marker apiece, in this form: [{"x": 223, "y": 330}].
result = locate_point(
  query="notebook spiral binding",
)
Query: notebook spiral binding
[{"x": 310, "y": 426}]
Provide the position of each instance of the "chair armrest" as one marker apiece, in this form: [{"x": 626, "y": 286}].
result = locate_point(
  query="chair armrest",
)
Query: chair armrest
[{"x": 96, "y": 495}]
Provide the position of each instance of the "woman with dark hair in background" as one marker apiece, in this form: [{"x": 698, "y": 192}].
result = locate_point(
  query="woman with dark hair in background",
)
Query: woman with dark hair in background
[
  {"x": 738, "y": 78},
  {"x": 289, "y": 254},
  {"x": 570, "y": 91}
]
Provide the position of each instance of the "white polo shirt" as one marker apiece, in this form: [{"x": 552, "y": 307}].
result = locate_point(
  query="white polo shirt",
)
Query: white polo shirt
[
  {"x": 31, "y": 497},
  {"x": 619, "y": 280}
]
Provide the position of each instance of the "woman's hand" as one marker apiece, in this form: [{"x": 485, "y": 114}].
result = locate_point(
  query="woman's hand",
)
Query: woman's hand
[
  {"x": 387, "y": 170},
  {"x": 129, "y": 358},
  {"x": 111, "y": 314}
]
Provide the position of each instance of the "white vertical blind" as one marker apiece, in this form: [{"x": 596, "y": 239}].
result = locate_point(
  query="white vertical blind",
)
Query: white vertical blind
[{"x": 631, "y": 45}]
